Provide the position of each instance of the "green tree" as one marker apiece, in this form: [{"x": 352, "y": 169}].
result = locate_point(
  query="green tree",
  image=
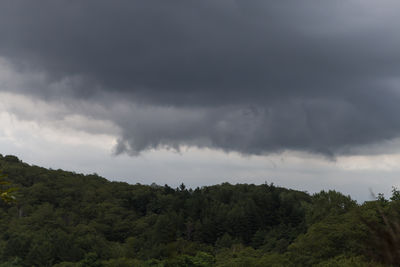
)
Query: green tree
[
  {"x": 6, "y": 192},
  {"x": 329, "y": 238}
]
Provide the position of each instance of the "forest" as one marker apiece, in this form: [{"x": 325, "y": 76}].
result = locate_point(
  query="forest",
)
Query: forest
[{"x": 60, "y": 218}]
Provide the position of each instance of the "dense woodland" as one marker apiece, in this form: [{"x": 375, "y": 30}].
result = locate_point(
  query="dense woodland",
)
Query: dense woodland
[{"x": 62, "y": 218}]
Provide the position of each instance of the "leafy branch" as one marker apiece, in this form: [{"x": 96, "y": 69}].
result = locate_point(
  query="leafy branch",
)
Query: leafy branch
[{"x": 6, "y": 192}]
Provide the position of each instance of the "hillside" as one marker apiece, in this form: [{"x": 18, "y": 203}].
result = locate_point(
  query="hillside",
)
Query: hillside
[{"x": 62, "y": 218}]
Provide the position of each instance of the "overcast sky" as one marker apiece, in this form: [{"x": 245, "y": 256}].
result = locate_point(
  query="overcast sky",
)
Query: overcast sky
[{"x": 304, "y": 94}]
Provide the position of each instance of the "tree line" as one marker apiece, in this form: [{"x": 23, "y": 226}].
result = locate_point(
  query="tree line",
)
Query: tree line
[{"x": 61, "y": 218}]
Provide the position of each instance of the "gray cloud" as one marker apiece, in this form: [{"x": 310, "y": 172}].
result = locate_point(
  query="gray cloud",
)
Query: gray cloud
[{"x": 247, "y": 76}]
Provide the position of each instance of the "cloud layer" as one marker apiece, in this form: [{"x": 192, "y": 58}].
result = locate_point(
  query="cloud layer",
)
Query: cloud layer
[{"x": 247, "y": 76}]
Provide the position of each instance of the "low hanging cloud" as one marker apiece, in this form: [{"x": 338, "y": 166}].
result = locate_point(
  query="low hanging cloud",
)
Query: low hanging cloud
[{"x": 247, "y": 76}]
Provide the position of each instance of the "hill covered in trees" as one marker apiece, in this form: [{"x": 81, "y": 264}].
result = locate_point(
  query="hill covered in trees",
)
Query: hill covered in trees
[{"x": 62, "y": 218}]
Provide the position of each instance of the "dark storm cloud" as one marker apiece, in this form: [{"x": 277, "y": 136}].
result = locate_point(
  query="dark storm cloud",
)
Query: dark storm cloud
[{"x": 247, "y": 76}]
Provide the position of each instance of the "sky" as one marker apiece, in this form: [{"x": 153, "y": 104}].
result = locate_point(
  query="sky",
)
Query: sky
[{"x": 304, "y": 94}]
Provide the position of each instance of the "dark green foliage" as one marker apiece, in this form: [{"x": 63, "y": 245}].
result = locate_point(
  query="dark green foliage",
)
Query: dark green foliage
[{"x": 66, "y": 219}]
